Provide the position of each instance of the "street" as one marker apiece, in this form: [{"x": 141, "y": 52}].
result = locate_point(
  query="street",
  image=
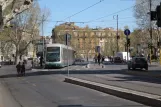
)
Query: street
[
  {"x": 40, "y": 90},
  {"x": 80, "y": 53}
]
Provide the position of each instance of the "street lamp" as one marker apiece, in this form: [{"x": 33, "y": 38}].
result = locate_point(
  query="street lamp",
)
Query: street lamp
[{"x": 117, "y": 35}]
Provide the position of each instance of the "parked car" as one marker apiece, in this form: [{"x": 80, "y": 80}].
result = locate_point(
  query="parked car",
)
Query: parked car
[
  {"x": 107, "y": 59},
  {"x": 117, "y": 60},
  {"x": 138, "y": 62},
  {"x": 79, "y": 60}
]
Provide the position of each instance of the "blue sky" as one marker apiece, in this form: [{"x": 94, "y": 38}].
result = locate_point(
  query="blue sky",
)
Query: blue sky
[{"x": 60, "y": 9}]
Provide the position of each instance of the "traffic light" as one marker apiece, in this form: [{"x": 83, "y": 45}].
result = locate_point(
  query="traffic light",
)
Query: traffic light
[
  {"x": 158, "y": 12},
  {"x": 153, "y": 15},
  {"x": 118, "y": 37}
]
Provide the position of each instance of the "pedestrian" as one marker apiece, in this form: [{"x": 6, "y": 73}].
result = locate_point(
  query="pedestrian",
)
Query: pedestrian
[
  {"x": 23, "y": 69},
  {"x": 149, "y": 58},
  {"x": 32, "y": 63},
  {"x": 103, "y": 58},
  {"x": 18, "y": 67},
  {"x": 41, "y": 60},
  {"x": 99, "y": 58},
  {"x": 95, "y": 58}
]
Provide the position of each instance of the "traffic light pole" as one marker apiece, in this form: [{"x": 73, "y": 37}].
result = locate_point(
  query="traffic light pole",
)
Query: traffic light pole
[
  {"x": 43, "y": 38},
  {"x": 127, "y": 48},
  {"x": 117, "y": 36},
  {"x": 150, "y": 33}
]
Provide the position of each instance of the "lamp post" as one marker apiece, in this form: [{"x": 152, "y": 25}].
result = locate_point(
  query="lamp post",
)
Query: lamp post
[
  {"x": 150, "y": 1},
  {"x": 117, "y": 35}
]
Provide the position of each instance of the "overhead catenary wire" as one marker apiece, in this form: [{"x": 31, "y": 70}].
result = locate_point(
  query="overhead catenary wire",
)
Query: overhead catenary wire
[
  {"x": 83, "y": 22},
  {"x": 116, "y": 12},
  {"x": 83, "y": 10},
  {"x": 102, "y": 16}
]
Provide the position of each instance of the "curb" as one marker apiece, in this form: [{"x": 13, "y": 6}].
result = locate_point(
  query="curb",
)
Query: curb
[{"x": 140, "y": 97}]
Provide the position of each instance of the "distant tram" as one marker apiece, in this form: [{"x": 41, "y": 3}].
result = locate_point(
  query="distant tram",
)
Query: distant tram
[{"x": 59, "y": 55}]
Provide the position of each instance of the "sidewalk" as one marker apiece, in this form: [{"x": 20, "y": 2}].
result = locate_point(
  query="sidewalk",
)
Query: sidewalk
[{"x": 6, "y": 99}]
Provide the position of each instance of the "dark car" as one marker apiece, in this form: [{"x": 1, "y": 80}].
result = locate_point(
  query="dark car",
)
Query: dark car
[
  {"x": 138, "y": 62},
  {"x": 117, "y": 60},
  {"x": 79, "y": 60}
]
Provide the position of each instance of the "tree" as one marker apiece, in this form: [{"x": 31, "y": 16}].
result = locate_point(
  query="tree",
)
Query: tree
[
  {"x": 25, "y": 30},
  {"x": 11, "y": 8},
  {"x": 141, "y": 11}
]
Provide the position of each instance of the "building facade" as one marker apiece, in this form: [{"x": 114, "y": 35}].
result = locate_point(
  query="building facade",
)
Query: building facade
[{"x": 85, "y": 40}]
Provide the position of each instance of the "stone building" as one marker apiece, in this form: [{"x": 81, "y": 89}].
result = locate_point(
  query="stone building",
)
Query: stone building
[{"x": 84, "y": 40}]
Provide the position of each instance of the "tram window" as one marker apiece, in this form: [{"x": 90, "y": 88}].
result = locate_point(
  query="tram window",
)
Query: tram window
[{"x": 53, "y": 49}]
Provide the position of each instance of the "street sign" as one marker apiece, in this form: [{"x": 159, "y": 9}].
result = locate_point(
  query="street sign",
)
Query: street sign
[{"x": 127, "y": 32}]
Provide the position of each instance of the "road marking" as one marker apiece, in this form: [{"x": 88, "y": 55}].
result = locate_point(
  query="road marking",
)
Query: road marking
[
  {"x": 27, "y": 81},
  {"x": 34, "y": 85}
]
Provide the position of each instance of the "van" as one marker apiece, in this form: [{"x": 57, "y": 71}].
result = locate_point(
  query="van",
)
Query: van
[{"x": 123, "y": 55}]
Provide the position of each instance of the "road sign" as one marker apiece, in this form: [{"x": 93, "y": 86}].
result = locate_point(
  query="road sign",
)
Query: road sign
[{"x": 127, "y": 32}]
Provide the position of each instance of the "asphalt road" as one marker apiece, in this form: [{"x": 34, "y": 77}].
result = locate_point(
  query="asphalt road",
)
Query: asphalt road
[
  {"x": 115, "y": 75},
  {"x": 39, "y": 90}
]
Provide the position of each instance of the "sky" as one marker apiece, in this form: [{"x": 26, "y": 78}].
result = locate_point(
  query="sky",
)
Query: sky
[{"x": 61, "y": 9}]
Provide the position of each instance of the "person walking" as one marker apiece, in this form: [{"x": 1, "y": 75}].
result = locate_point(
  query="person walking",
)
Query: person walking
[
  {"x": 23, "y": 70},
  {"x": 103, "y": 58},
  {"x": 95, "y": 58},
  {"x": 99, "y": 58},
  {"x": 18, "y": 67},
  {"x": 41, "y": 60}
]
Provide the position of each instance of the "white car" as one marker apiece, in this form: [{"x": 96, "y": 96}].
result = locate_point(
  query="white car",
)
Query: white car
[{"x": 107, "y": 59}]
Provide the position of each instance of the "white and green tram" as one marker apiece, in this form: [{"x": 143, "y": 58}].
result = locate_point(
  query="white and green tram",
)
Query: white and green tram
[{"x": 59, "y": 55}]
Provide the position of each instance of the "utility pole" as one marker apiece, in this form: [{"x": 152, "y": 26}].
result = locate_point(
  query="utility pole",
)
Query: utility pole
[
  {"x": 117, "y": 36},
  {"x": 43, "y": 37},
  {"x": 150, "y": 1}
]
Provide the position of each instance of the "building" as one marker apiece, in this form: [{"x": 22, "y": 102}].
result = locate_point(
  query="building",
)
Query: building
[{"x": 84, "y": 40}]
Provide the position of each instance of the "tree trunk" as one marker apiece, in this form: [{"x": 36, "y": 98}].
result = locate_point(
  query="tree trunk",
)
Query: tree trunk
[{"x": 17, "y": 56}]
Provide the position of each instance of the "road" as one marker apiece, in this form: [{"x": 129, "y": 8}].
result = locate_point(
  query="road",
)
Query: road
[
  {"x": 38, "y": 89},
  {"x": 115, "y": 75}
]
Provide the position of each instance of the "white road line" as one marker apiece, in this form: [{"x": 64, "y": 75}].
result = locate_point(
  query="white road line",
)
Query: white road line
[{"x": 34, "y": 85}]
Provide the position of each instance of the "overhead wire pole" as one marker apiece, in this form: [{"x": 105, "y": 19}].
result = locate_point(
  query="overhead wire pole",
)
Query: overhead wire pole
[
  {"x": 117, "y": 36},
  {"x": 67, "y": 51},
  {"x": 43, "y": 37},
  {"x": 150, "y": 1}
]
